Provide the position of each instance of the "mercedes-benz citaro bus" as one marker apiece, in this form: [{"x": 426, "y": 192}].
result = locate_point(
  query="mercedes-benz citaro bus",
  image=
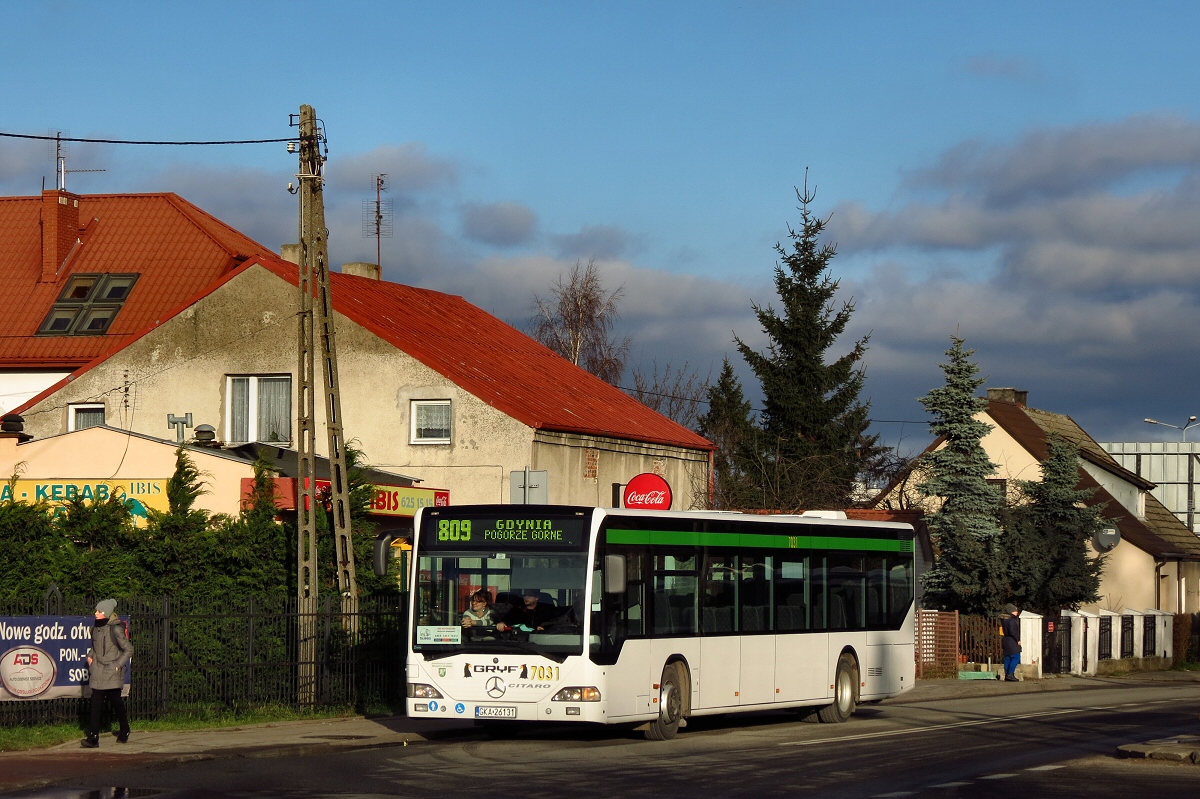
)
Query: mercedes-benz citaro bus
[{"x": 615, "y": 616}]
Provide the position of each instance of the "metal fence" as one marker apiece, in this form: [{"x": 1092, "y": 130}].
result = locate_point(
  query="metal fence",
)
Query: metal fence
[
  {"x": 1149, "y": 636},
  {"x": 1106, "y": 638},
  {"x": 236, "y": 653},
  {"x": 1127, "y": 636}
]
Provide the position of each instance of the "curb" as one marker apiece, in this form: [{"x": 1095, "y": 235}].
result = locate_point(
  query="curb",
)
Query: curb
[{"x": 1180, "y": 749}]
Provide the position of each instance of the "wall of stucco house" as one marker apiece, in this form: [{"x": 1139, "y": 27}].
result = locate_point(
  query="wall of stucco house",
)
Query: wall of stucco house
[
  {"x": 247, "y": 327},
  {"x": 1130, "y": 496},
  {"x": 583, "y": 468}
]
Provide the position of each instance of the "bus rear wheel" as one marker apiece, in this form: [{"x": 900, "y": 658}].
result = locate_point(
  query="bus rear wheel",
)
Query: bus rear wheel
[
  {"x": 845, "y": 692},
  {"x": 672, "y": 703}
]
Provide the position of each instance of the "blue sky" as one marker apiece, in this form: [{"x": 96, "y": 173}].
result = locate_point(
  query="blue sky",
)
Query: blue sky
[{"x": 1026, "y": 176}]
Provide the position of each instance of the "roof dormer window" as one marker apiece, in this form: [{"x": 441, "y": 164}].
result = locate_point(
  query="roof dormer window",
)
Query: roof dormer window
[{"x": 88, "y": 305}]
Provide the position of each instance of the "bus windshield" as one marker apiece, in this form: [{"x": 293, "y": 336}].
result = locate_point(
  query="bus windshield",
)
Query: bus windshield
[{"x": 489, "y": 584}]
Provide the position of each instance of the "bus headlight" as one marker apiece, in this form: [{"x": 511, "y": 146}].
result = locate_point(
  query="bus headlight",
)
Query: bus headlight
[
  {"x": 418, "y": 690},
  {"x": 574, "y": 694}
]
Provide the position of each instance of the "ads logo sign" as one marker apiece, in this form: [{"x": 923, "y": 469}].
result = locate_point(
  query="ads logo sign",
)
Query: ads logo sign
[
  {"x": 648, "y": 491},
  {"x": 27, "y": 671}
]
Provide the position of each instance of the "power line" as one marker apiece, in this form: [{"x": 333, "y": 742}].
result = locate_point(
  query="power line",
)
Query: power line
[{"x": 131, "y": 141}]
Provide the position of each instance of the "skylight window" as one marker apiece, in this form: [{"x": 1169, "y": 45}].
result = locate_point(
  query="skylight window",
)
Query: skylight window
[{"x": 88, "y": 305}]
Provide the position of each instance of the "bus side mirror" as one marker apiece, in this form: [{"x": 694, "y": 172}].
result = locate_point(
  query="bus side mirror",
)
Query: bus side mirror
[
  {"x": 614, "y": 574},
  {"x": 383, "y": 552}
]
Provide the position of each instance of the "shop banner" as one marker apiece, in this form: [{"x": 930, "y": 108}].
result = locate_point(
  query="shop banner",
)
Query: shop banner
[
  {"x": 45, "y": 657},
  {"x": 139, "y": 495}
]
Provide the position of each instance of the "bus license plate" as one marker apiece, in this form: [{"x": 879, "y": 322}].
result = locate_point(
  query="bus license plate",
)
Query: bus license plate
[{"x": 495, "y": 712}]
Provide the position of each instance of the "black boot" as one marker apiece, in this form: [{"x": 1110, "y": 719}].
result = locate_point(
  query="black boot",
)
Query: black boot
[
  {"x": 123, "y": 737},
  {"x": 90, "y": 742}
]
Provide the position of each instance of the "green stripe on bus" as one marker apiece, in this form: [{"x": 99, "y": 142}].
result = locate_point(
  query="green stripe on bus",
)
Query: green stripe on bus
[{"x": 681, "y": 538}]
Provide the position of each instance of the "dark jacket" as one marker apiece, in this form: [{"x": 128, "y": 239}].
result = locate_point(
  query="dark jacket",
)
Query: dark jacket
[
  {"x": 110, "y": 652},
  {"x": 538, "y": 617},
  {"x": 1012, "y": 635}
]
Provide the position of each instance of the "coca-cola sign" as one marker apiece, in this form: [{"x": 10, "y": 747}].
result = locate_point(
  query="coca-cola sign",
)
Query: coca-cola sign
[{"x": 648, "y": 492}]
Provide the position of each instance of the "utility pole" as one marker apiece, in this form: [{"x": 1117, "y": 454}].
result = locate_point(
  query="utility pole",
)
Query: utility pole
[{"x": 316, "y": 322}]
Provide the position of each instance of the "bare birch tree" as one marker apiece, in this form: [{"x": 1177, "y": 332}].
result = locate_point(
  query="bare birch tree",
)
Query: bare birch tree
[
  {"x": 576, "y": 321},
  {"x": 675, "y": 393}
]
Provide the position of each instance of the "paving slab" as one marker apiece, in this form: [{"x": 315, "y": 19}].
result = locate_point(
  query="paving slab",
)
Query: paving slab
[{"x": 1179, "y": 749}]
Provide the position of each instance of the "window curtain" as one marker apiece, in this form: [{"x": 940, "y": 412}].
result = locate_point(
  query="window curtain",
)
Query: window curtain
[
  {"x": 239, "y": 409},
  {"x": 275, "y": 409},
  {"x": 433, "y": 421},
  {"x": 88, "y": 417}
]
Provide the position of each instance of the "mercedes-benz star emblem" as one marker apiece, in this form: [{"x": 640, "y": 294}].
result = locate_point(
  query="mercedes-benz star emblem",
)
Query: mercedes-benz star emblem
[{"x": 495, "y": 687}]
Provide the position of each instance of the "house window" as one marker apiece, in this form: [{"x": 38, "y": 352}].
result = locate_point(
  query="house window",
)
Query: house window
[
  {"x": 430, "y": 421},
  {"x": 88, "y": 305},
  {"x": 1001, "y": 487},
  {"x": 83, "y": 416},
  {"x": 259, "y": 408}
]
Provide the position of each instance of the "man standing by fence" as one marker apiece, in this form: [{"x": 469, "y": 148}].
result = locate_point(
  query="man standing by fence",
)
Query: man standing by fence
[
  {"x": 1010, "y": 628},
  {"x": 110, "y": 652}
]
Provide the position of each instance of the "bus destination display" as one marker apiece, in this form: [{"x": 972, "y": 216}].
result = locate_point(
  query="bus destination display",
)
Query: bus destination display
[{"x": 512, "y": 532}]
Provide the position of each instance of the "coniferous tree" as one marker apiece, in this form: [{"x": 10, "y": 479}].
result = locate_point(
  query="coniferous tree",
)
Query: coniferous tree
[
  {"x": 729, "y": 426},
  {"x": 1049, "y": 537},
  {"x": 969, "y": 566},
  {"x": 814, "y": 440}
]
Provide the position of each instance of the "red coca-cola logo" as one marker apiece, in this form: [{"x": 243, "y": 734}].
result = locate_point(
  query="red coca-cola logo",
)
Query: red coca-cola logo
[{"x": 648, "y": 492}]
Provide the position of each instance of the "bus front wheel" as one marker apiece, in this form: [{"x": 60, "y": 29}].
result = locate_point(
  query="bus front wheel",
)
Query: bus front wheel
[
  {"x": 672, "y": 702},
  {"x": 845, "y": 692}
]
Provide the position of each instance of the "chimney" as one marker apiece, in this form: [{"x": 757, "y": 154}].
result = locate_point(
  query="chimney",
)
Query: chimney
[
  {"x": 12, "y": 432},
  {"x": 290, "y": 252},
  {"x": 1013, "y": 395},
  {"x": 363, "y": 269},
  {"x": 60, "y": 231}
]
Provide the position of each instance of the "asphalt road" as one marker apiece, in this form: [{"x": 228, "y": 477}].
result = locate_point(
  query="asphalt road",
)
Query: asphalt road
[{"x": 1027, "y": 745}]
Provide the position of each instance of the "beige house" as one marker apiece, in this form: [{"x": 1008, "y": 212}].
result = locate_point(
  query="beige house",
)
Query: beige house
[
  {"x": 1155, "y": 566},
  {"x": 431, "y": 386}
]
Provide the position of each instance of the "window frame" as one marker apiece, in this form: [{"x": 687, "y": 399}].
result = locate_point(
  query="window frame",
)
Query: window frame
[
  {"x": 252, "y": 431},
  {"x": 73, "y": 410},
  {"x": 413, "y": 405},
  {"x": 82, "y": 309}
]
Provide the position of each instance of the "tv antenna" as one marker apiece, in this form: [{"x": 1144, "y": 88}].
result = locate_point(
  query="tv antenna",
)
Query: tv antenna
[
  {"x": 377, "y": 218},
  {"x": 61, "y": 151}
]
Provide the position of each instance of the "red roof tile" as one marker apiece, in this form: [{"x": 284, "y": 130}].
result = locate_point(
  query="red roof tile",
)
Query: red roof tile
[{"x": 176, "y": 248}]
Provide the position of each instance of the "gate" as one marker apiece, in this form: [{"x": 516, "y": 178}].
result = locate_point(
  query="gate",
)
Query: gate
[{"x": 1056, "y": 645}]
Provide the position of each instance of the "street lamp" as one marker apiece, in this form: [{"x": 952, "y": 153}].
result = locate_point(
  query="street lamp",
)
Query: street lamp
[{"x": 1183, "y": 430}]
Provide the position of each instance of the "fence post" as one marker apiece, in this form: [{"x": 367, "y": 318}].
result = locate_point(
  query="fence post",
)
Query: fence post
[
  {"x": 165, "y": 658},
  {"x": 250, "y": 654},
  {"x": 52, "y": 593}
]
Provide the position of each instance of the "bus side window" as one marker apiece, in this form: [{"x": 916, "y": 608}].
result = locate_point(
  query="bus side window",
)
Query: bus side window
[
  {"x": 754, "y": 597},
  {"x": 876, "y": 594},
  {"x": 899, "y": 588},
  {"x": 791, "y": 600},
  {"x": 675, "y": 593}
]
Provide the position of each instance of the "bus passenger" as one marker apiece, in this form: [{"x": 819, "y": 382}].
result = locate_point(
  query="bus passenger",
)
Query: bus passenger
[{"x": 480, "y": 612}]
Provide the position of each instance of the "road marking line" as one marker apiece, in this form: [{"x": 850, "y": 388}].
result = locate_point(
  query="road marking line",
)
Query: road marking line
[
  {"x": 997, "y": 776},
  {"x": 950, "y": 785},
  {"x": 1050, "y": 767},
  {"x": 893, "y": 794},
  {"x": 932, "y": 728}
]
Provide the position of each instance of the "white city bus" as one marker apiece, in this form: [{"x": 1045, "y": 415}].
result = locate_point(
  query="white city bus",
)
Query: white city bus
[{"x": 649, "y": 617}]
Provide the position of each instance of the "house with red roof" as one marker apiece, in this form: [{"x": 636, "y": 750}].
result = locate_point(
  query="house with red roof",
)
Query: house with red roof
[
  {"x": 431, "y": 385},
  {"x": 84, "y": 274},
  {"x": 1152, "y": 558}
]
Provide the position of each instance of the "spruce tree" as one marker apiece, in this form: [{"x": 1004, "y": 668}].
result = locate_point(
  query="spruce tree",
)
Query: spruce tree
[
  {"x": 813, "y": 425},
  {"x": 1053, "y": 530},
  {"x": 968, "y": 573},
  {"x": 729, "y": 426}
]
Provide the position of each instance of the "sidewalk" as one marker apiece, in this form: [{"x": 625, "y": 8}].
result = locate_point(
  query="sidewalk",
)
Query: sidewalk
[{"x": 68, "y": 761}]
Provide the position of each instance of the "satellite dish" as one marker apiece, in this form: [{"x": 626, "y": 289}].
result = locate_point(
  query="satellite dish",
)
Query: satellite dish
[{"x": 1106, "y": 539}]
